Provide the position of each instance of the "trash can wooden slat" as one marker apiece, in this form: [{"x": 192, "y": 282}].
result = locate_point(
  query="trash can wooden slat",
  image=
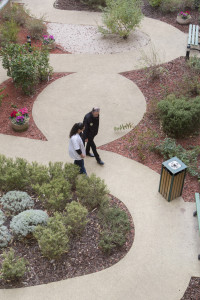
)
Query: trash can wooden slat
[{"x": 172, "y": 178}]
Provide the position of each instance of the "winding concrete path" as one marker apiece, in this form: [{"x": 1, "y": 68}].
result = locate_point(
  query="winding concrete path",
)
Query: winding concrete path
[{"x": 164, "y": 254}]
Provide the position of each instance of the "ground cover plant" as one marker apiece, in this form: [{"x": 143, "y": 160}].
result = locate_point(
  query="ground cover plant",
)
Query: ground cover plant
[{"x": 65, "y": 239}]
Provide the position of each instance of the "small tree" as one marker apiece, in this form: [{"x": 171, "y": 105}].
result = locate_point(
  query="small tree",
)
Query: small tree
[
  {"x": 26, "y": 68},
  {"x": 121, "y": 17}
]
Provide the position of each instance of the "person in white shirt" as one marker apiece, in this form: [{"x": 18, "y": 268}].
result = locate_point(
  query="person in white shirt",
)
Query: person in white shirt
[{"x": 76, "y": 146}]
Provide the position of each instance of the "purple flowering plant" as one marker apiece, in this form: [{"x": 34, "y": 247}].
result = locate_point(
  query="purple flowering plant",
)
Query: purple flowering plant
[
  {"x": 48, "y": 39},
  {"x": 19, "y": 116},
  {"x": 184, "y": 15}
]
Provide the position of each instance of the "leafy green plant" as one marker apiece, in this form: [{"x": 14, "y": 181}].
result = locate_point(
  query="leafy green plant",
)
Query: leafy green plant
[
  {"x": 2, "y": 95},
  {"x": 155, "y": 3},
  {"x": 36, "y": 28},
  {"x": 179, "y": 116},
  {"x": 53, "y": 239},
  {"x": 14, "y": 12},
  {"x": 5, "y": 236},
  {"x": 54, "y": 194},
  {"x": 13, "y": 267},
  {"x": 16, "y": 202},
  {"x": 91, "y": 191},
  {"x": 194, "y": 64},
  {"x": 167, "y": 6},
  {"x": 38, "y": 173},
  {"x": 121, "y": 17},
  {"x": 8, "y": 32},
  {"x": 26, "y": 68},
  {"x": 124, "y": 127},
  {"x": 26, "y": 222},
  {"x": 76, "y": 217},
  {"x": 168, "y": 149},
  {"x": 115, "y": 225}
]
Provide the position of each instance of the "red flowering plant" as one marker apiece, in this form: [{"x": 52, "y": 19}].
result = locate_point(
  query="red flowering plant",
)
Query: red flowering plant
[
  {"x": 184, "y": 15},
  {"x": 19, "y": 116}
]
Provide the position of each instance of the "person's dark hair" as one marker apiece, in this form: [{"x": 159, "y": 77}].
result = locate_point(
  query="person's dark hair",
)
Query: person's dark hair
[{"x": 75, "y": 129}]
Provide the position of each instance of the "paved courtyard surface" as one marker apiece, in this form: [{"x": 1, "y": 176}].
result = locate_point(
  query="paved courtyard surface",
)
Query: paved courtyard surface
[{"x": 164, "y": 253}]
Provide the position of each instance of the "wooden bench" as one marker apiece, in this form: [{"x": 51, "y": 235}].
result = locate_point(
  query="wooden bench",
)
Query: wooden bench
[
  {"x": 193, "y": 39},
  {"x": 197, "y": 212}
]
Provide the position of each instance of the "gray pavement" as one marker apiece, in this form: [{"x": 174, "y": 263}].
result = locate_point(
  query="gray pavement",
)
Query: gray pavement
[{"x": 164, "y": 253}]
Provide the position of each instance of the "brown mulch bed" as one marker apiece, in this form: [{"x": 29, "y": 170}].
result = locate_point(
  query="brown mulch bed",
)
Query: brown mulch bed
[
  {"x": 149, "y": 131},
  {"x": 193, "y": 290},
  {"x": 15, "y": 98},
  {"x": 84, "y": 256}
]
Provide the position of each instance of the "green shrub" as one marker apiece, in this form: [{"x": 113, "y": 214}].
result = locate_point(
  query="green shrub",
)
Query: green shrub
[
  {"x": 5, "y": 236},
  {"x": 26, "y": 222},
  {"x": 179, "y": 116},
  {"x": 110, "y": 240},
  {"x": 175, "y": 5},
  {"x": 36, "y": 28},
  {"x": 121, "y": 17},
  {"x": 38, "y": 173},
  {"x": 169, "y": 149},
  {"x": 8, "y": 32},
  {"x": 26, "y": 68},
  {"x": 2, "y": 217},
  {"x": 16, "y": 202},
  {"x": 115, "y": 224},
  {"x": 15, "y": 12},
  {"x": 13, "y": 174},
  {"x": 194, "y": 64},
  {"x": 53, "y": 239},
  {"x": 71, "y": 173},
  {"x": 13, "y": 267},
  {"x": 76, "y": 217},
  {"x": 91, "y": 191},
  {"x": 54, "y": 194},
  {"x": 155, "y": 3}
]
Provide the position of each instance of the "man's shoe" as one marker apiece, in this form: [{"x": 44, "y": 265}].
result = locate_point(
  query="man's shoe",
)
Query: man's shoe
[
  {"x": 90, "y": 154},
  {"x": 100, "y": 162}
]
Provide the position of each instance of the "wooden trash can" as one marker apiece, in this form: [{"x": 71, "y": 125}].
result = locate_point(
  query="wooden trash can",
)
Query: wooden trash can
[{"x": 172, "y": 178}]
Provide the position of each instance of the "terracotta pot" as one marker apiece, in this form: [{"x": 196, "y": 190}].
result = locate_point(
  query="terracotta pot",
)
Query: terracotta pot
[
  {"x": 182, "y": 21},
  {"x": 22, "y": 127}
]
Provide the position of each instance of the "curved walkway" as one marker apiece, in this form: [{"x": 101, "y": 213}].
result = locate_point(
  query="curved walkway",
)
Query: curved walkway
[{"x": 164, "y": 254}]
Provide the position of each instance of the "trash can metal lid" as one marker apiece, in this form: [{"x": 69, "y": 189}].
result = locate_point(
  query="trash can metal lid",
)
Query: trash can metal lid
[{"x": 174, "y": 165}]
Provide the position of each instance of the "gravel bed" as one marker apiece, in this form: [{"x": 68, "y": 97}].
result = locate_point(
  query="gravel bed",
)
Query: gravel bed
[{"x": 87, "y": 39}]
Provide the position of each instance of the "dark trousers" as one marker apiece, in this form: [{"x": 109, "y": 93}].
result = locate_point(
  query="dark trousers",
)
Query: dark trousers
[
  {"x": 80, "y": 163},
  {"x": 91, "y": 144}
]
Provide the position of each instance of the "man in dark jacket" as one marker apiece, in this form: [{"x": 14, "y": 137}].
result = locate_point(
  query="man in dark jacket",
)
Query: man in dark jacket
[{"x": 91, "y": 123}]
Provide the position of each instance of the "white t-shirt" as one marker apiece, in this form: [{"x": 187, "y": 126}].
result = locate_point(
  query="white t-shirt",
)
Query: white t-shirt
[{"x": 76, "y": 143}]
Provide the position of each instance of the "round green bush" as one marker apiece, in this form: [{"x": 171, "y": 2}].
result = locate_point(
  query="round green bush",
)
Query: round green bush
[
  {"x": 16, "y": 201},
  {"x": 25, "y": 222},
  {"x": 179, "y": 116},
  {"x": 52, "y": 238},
  {"x": 91, "y": 191},
  {"x": 5, "y": 236},
  {"x": 76, "y": 217}
]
